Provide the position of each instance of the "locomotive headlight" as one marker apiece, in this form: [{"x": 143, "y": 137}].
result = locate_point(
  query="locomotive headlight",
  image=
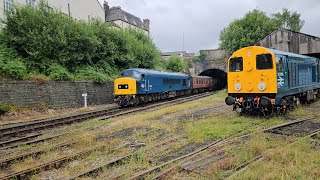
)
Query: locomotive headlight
[
  {"x": 237, "y": 86},
  {"x": 142, "y": 86},
  {"x": 262, "y": 86}
]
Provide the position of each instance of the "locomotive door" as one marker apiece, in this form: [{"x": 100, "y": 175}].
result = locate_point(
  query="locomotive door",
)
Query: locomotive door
[
  {"x": 144, "y": 83},
  {"x": 149, "y": 86},
  {"x": 282, "y": 74}
]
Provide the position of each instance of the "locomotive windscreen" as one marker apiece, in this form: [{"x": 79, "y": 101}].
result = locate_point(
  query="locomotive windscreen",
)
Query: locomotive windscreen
[
  {"x": 236, "y": 64},
  {"x": 264, "y": 61},
  {"x": 132, "y": 74}
]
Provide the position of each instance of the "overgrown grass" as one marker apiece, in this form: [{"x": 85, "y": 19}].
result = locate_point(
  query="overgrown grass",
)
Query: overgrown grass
[
  {"x": 299, "y": 113},
  {"x": 222, "y": 127},
  {"x": 297, "y": 161}
]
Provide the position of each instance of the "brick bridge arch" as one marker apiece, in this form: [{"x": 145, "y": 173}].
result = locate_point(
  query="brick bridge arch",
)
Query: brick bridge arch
[{"x": 216, "y": 69}]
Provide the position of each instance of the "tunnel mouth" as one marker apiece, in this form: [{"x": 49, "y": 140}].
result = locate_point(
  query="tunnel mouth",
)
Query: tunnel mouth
[{"x": 218, "y": 74}]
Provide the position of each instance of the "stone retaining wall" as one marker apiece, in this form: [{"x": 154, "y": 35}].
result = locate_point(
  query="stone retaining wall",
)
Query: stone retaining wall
[{"x": 54, "y": 94}]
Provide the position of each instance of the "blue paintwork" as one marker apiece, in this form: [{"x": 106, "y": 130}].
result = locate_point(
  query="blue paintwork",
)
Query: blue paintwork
[
  {"x": 300, "y": 74},
  {"x": 153, "y": 81}
]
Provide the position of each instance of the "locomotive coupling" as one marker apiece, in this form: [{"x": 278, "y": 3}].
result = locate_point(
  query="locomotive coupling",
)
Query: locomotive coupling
[{"x": 230, "y": 100}]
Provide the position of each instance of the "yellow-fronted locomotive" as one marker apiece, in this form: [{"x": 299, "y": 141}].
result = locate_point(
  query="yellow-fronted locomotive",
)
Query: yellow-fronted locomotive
[{"x": 262, "y": 80}]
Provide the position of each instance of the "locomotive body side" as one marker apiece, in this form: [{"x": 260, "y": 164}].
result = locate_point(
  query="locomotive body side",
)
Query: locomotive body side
[
  {"x": 297, "y": 75},
  {"x": 164, "y": 82}
]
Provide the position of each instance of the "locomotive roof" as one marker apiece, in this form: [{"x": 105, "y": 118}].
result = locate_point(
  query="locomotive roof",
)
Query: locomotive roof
[
  {"x": 289, "y": 54},
  {"x": 149, "y": 71}
]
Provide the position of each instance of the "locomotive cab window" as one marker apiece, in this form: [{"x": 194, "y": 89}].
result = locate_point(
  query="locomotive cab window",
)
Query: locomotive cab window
[
  {"x": 236, "y": 64},
  {"x": 264, "y": 61},
  {"x": 133, "y": 74}
]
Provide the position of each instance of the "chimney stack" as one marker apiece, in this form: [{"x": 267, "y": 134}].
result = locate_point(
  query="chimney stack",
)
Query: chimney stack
[
  {"x": 106, "y": 9},
  {"x": 146, "y": 24}
]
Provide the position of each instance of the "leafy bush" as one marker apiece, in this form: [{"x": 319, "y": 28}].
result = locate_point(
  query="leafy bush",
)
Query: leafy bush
[
  {"x": 57, "y": 72},
  {"x": 4, "y": 109},
  {"x": 176, "y": 64},
  {"x": 10, "y": 65},
  {"x": 53, "y": 44},
  {"x": 90, "y": 73}
]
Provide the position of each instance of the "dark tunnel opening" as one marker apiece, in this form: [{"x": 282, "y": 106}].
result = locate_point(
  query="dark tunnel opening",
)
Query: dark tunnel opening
[{"x": 218, "y": 74}]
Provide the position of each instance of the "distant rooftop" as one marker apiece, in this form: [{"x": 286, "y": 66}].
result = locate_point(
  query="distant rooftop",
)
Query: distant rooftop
[
  {"x": 116, "y": 13},
  {"x": 181, "y": 53}
]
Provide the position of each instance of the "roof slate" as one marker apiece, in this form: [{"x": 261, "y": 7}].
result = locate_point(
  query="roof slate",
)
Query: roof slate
[{"x": 116, "y": 13}]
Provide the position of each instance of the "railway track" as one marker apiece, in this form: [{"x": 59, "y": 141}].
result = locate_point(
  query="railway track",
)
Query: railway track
[
  {"x": 10, "y": 133},
  {"x": 60, "y": 162},
  {"x": 24, "y": 174},
  {"x": 57, "y": 163},
  {"x": 7, "y": 161},
  {"x": 258, "y": 158},
  {"x": 97, "y": 169},
  {"x": 161, "y": 171}
]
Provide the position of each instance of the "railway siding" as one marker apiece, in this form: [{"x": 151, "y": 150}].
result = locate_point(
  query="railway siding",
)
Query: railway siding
[{"x": 170, "y": 142}]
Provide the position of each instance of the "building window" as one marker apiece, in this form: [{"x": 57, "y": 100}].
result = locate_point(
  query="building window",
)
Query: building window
[
  {"x": 8, "y": 6},
  {"x": 30, "y": 2}
]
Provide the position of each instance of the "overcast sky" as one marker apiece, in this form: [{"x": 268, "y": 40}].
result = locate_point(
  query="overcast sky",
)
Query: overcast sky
[{"x": 200, "y": 21}]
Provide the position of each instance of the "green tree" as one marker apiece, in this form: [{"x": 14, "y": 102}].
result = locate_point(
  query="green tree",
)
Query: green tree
[
  {"x": 201, "y": 57},
  {"x": 289, "y": 20},
  {"x": 246, "y": 31},
  {"x": 176, "y": 64}
]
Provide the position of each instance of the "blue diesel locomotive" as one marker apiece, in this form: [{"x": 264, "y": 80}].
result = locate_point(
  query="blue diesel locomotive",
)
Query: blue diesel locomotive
[
  {"x": 142, "y": 85},
  {"x": 136, "y": 86}
]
